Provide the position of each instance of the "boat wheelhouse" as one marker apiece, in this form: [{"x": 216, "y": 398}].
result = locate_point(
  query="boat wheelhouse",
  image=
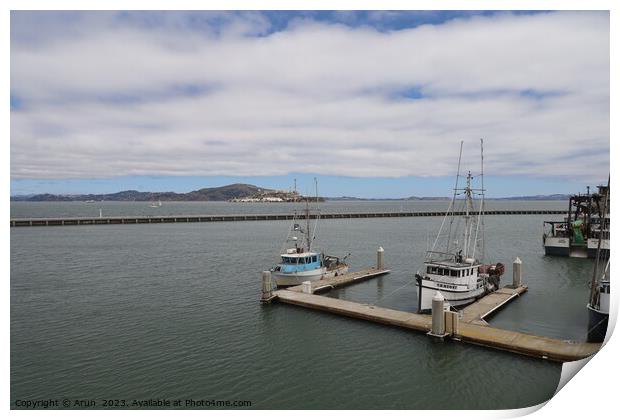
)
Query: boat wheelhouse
[{"x": 454, "y": 265}]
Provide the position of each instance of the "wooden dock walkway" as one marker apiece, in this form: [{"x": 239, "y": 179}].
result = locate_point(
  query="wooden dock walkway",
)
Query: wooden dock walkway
[
  {"x": 132, "y": 220},
  {"x": 471, "y": 329},
  {"x": 477, "y": 311},
  {"x": 339, "y": 281}
]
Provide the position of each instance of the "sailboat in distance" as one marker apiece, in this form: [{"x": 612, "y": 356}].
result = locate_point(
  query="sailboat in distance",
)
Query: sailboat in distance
[{"x": 454, "y": 266}]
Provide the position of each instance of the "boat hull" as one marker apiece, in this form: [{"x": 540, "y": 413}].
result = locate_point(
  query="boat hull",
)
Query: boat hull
[
  {"x": 557, "y": 246},
  {"x": 426, "y": 291},
  {"x": 597, "y": 325},
  {"x": 593, "y": 247},
  {"x": 297, "y": 278}
]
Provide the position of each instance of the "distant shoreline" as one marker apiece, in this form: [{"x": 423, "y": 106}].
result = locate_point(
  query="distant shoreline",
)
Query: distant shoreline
[
  {"x": 234, "y": 192},
  {"x": 18, "y": 199}
]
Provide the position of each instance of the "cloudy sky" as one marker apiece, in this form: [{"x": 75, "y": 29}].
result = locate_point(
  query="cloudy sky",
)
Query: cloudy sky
[{"x": 373, "y": 103}]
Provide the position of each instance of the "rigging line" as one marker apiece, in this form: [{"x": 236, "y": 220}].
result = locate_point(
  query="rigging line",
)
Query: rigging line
[
  {"x": 451, "y": 206},
  {"x": 288, "y": 235},
  {"x": 393, "y": 291},
  {"x": 481, "y": 212}
]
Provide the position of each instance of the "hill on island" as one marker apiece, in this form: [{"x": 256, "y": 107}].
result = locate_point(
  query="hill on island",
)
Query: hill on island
[{"x": 224, "y": 193}]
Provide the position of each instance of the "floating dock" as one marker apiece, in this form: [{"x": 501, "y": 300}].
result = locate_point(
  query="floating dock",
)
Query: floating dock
[
  {"x": 132, "y": 220},
  {"x": 470, "y": 326}
]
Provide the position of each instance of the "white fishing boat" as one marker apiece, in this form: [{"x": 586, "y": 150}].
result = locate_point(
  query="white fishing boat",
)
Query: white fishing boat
[
  {"x": 454, "y": 265},
  {"x": 301, "y": 262},
  {"x": 155, "y": 205}
]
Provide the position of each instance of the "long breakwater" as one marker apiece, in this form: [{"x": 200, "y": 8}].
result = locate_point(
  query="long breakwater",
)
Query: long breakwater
[{"x": 128, "y": 220}]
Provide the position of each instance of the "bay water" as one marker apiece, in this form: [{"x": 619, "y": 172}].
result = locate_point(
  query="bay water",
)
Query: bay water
[{"x": 171, "y": 311}]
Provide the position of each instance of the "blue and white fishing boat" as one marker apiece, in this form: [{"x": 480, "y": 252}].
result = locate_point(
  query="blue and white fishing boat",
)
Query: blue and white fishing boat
[{"x": 300, "y": 262}]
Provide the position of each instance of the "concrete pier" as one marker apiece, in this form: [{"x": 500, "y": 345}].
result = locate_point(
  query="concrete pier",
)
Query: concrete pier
[{"x": 130, "y": 220}]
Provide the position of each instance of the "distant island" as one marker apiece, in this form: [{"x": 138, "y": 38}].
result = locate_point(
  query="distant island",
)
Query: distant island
[
  {"x": 233, "y": 192},
  {"x": 239, "y": 193}
]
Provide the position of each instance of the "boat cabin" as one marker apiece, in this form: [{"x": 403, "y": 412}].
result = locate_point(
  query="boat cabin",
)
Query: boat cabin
[
  {"x": 452, "y": 276},
  {"x": 303, "y": 261},
  {"x": 458, "y": 271}
]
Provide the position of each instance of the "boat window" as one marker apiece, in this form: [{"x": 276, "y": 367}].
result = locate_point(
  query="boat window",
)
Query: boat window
[
  {"x": 314, "y": 257},
  {"x": 453, "y": 273}
]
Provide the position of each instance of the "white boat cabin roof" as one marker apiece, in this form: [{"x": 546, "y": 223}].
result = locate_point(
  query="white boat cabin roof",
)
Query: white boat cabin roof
[
  {"x": 451, "y": 264},
  {"x": 300, "y": 255}
]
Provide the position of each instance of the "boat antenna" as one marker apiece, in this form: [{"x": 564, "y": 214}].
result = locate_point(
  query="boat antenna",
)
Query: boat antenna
[{"x": 594, "y": 283}]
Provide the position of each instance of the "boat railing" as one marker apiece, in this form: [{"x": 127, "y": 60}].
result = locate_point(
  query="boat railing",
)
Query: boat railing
[{"x": 439, "y": 256}]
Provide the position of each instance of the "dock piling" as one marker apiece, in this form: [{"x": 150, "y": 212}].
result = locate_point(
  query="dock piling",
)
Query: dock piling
[
  {"x": 267, "y": 288},
  {"x": 306, "y": 287},
  {"x": 438, "y": 326},
  {"x": 380, "y": 263},
  {"x": 516, "y": 273}
]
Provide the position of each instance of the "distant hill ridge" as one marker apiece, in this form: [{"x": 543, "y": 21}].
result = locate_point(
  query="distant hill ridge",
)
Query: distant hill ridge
[{"x": 225, "y": 193}]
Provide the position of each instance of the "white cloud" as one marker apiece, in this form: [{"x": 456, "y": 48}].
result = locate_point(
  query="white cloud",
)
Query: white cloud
[{"x": 316, "y": 97}]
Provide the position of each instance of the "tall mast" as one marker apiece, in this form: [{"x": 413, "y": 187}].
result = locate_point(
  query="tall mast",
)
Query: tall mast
[
  {"x": 481, "y": 217},
  {"x": 480, "y": 221},
  {"x": 468, "y": 209},
  {"x": 308, "y": 241},
  {"x": 318, "y": 212}
]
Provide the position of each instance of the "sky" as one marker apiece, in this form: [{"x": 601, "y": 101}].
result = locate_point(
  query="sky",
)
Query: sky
[{"x": 373, "y": 104}]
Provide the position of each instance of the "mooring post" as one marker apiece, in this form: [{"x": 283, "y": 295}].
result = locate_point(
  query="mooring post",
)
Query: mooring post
[
  {"x": 516, "y": 273},
  {"x": 267, "y": 294},
  {"x": 438, "y": 328},
  {"x": 307, "y": 287},
  {"x": 380, "y": 253}
]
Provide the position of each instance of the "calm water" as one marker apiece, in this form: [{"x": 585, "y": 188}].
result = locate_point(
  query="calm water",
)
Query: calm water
[{"x": 171, "y": 311}]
